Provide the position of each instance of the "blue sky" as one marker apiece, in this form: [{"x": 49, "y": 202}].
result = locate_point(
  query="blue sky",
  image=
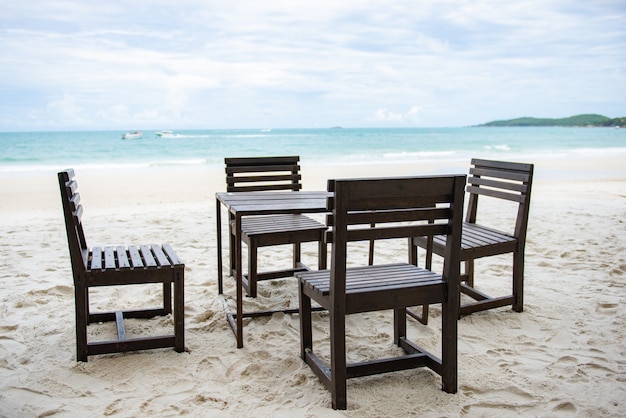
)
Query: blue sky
[{"x": 183, "y": 64}]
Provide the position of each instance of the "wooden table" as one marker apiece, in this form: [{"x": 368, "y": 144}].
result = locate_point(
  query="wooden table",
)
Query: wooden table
[{"x": 240, "y": 204}]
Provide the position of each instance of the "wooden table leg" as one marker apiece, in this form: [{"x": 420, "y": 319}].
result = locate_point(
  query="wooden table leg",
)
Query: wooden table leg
[
  {"x": 218, "y": 226},
  {"x": 239, "y": 281}
]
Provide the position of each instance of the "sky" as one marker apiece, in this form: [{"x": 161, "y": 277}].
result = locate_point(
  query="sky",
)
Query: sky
[{"x": 239, "y": 64}]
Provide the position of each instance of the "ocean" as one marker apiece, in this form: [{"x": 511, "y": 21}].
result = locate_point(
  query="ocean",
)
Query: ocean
[{"x": 48, "y": 152}]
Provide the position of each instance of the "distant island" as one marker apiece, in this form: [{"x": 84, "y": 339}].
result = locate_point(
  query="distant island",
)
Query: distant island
[{"x": 579, "y": 120}]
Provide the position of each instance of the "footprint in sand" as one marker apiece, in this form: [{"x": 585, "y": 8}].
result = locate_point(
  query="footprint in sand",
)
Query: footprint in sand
[
  {"x": 219, "y": 403},
  {"x": 113, "y": 408},
  {"x": 565, "y": 409},
  {"x": 619, "y": 271},
  {"x": 606, "y": 307}
]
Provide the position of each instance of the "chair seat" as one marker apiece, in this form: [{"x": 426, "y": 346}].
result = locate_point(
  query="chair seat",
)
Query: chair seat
[
  {"x": 257, "y": 225},
  {"x": 280, "y": 229},
  {"x": 509, "y": 183},
  {"x": 366, "y": 210},
  {"x": 140, "y": 264},
  {"x": 387, "y": 286},
  {"x": 117, "y": 266},
  {"x": 476, "y": 241}
]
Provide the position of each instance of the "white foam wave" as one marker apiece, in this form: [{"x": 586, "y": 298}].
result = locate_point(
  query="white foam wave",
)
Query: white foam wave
[
  {"x": 503, "y": 147},
  {"x": 100, "y": 166},
  {"x": 178, "y": 136},
  {"x": 194, "y": 161},
  {"x": 419, "y": 154}
]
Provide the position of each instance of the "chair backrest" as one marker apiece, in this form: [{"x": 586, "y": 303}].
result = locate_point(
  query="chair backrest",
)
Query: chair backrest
[
  {"x": 386, "y": 208},
  {"x": 502, "y": 180},
  {"x": 262, "y": 174},
  {"x": 73, "y": 211}
]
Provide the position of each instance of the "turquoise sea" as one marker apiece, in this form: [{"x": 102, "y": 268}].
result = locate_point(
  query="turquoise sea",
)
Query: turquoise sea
[{"x": 47, "y": 152}]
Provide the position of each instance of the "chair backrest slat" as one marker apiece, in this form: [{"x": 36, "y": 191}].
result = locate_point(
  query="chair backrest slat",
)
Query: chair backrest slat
[
  {"x": 403, "y": 207},
  {"x": 502, "y": 180},
  {"x": 495, "y": 193},
  {"x": 422, "y": 213},
  {"x": 73, "y": 212},
  {"x": 517, "y": 174},
  {"x": 497, "y": 184},
  {"x": 389, "y": 232},
  {"x": 263, "y": 174},
  {"x": 502, "y": 165}
]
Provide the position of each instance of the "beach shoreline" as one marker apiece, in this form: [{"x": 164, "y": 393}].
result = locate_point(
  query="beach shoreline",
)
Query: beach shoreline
[
  {"x": 563, "y": 356},
  {"x": 189, "y": 184}
]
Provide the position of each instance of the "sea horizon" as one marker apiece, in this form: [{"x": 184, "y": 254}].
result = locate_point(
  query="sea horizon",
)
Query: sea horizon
[{"x": 87, "y": 150}]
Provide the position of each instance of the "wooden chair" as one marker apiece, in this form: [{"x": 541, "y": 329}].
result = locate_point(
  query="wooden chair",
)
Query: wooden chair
[
  {"x": 271, "y": 174},
  {"x": 397, "y": 208},
  {"x": 490, "y": 179},
  {"x": 116, "y": 266}
]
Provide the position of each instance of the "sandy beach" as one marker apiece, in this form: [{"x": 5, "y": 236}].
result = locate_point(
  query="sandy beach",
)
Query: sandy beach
[{"x": 565, "y": 355}]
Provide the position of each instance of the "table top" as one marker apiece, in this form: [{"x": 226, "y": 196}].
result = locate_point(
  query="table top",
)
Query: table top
[{"x": 259, "y": 203}]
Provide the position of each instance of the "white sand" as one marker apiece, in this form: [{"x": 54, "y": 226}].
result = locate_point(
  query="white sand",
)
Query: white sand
[{"x": 565, "y": 355}]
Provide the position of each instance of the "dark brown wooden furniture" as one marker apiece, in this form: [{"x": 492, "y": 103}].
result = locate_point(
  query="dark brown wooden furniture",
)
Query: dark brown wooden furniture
[
  {"x": 266, "y": 208},
  {"x": 116, "y": 266},
  {"x": 491, "y": 179},
  {"x": 373, "y": 209},
  {"x": 270, "y": 174}
]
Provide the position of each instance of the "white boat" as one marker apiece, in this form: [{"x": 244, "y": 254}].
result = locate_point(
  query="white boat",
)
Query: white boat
[
  {"x": 132, "y": 135},
  {"x": 168, "y": 134}
]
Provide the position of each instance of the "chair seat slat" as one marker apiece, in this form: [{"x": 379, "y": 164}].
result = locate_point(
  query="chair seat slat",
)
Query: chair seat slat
[
  {"x": 147, "y": 256},
  {"x": 122, "y": 258},
  {"x": 171, "y": 254},
  {"x": 159, "y": 256},
  {"x": 259, "y": 225},
  {"x": 96, "y": 259},
  {"x": 484, "y": 235},
  {"x": 135, "y": 257},
  {"x": 109, "y": 258},
  {"x": 475, "y": 236}
]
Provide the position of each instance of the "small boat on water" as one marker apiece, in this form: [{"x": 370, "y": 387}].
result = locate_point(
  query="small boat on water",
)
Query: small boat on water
[
  {"x": 164, "y": 133},
  {"x": 168, "y": 134},
  {"x": 132, "y": 135}
]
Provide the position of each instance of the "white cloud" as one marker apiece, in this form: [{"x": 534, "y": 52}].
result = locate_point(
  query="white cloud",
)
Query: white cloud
[
  {"x": 385, "y": 115},
  {"x": 214, "y": 64},
  {"x": 412, "y": 116}
]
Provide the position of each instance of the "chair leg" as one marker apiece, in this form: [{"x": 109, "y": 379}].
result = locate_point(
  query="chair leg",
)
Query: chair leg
[
  {"x": 412, "y": 252},
  {"x": 306, "y": 332},
  {"x": 297, "y": 254},
  {"x": 518, "y": 281},
  {"x": 338, "y": 363},
  {"x": 322, "y": 254},
  {"x": 167, "y": 298},
  {"x": 82, "y": 313},
  {"x": 399, "y": 325},
  {"x": 179, "y": 310},
  {"x": 469, "y": 272},
  {"x": 231, "y": 249},
  {"x": 449, "y": 344},
  {"x": 423, "y": 318},
  {"x": 252, "y": 269},
  {"x": 414, "y": 260}
]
